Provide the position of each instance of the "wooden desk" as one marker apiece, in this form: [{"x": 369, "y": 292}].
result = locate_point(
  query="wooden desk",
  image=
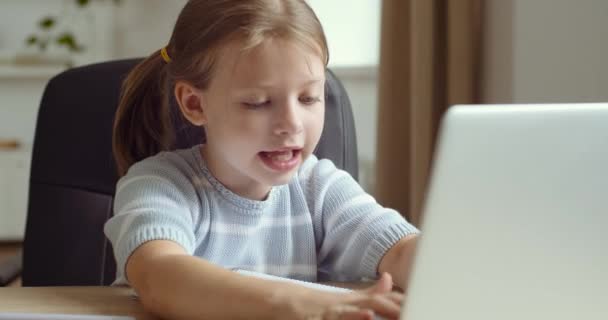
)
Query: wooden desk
[
  {"x": 73, "y": 300},
  {"x": 86, "y": 300}
]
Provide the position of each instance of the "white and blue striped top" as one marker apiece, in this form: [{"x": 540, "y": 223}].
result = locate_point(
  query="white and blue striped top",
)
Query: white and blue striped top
[{"x": 321, "y": 226}]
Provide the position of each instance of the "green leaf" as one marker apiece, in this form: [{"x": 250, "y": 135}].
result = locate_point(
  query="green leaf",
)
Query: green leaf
[
  {"x": 31, "y": 40},
  {"x": 67, "y": 39},
  {"x": 46, "y": 22},
  {"x": 82, "y": 3}
]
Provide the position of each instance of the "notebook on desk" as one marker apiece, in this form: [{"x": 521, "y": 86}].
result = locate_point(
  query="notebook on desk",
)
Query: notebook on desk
[
  {"x": 313, "y": 285},
  {"x": 516, "y": 217}
]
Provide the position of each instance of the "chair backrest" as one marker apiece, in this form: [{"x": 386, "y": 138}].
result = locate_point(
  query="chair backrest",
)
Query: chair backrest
[{"x": 73, "y": 176}]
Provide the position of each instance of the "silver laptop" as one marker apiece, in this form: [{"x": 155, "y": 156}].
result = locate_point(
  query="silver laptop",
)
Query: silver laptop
[{"x": 516, "y": 219}]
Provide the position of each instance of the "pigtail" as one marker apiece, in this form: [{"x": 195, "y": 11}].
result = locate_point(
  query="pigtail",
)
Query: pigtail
[{"x": 142, "y": 125}]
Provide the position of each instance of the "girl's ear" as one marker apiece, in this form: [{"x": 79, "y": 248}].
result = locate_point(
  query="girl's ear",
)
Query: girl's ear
[{"x": 191, "y": 103}]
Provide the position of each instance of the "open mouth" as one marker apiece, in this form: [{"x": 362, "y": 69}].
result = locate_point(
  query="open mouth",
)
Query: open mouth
[{"x": 281, "y": 160}]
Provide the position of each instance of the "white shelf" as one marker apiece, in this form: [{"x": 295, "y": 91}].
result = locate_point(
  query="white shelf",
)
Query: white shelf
[{"x": 21, "y": 72}]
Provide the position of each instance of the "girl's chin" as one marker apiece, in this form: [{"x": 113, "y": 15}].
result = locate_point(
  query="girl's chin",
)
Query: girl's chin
[{"x": 277, "y": 179}]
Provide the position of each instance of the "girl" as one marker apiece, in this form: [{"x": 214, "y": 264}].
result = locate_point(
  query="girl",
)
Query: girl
[{"x": 252, "y": 196}]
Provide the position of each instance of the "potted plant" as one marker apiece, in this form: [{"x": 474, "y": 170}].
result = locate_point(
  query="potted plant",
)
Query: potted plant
[{"x": 58, "y": 39}]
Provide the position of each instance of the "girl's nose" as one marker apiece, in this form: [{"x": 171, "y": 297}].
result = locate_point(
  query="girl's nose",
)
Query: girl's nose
[{"x": 288, "y": 120}]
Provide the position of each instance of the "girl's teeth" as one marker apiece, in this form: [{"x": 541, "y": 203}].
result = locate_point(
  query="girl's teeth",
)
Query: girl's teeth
[{"x": 281, "y": 156}]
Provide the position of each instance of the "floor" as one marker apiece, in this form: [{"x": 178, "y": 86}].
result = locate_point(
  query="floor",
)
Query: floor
[{"x": 8, "y": 249}]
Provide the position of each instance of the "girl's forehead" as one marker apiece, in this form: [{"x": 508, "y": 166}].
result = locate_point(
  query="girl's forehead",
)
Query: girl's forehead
[
  {"x": 238, "y": 54},
  {"x": 271, "y": 60}
]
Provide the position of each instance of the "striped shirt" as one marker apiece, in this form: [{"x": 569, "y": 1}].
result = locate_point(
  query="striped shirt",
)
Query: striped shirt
[{"x": 321, "y": 226}]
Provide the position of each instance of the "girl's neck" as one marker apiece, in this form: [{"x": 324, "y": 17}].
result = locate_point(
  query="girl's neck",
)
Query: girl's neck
[{"x": 230, "y": 180}]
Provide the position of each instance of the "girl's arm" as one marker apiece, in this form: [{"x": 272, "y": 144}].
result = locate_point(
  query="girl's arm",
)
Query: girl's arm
[
  {"x": 353, "y": 231},
  {"x": 175, "y": 285},
  {"x": 398, "y": 260}
]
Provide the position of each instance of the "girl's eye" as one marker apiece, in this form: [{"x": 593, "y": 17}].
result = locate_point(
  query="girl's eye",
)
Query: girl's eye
[
  {"x": 255, "y": 105},
  {"x": 309, "y": 100}
]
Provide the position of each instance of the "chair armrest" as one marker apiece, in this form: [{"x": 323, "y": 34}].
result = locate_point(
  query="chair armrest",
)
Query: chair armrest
[{"x": 10, "y": 269}]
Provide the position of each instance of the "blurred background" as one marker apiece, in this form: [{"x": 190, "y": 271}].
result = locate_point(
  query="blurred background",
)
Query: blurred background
[{"x": 400, "y": 60}]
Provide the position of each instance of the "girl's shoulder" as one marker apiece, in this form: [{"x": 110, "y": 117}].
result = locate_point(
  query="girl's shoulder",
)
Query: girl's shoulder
[
  {"x": 320, "y": 180},
  {"x": 181, "y": 164},
  {"x": 315, "y": 170}
]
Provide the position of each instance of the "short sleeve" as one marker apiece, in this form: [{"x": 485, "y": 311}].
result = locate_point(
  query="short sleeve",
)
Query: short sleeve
[
  {"x": 353, "y": 231},
  {"x": 153, "y": 201}
]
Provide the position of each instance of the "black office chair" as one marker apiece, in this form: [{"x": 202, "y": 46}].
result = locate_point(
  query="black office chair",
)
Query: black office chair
[{"x": 73, "y": 176}]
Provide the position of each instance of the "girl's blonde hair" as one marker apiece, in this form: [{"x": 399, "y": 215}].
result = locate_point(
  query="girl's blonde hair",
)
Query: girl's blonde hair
[{"x": 143, "y": 125}]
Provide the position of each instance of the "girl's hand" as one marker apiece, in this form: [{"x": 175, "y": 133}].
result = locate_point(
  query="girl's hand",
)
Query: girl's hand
[{"x": 365, "y": 304}]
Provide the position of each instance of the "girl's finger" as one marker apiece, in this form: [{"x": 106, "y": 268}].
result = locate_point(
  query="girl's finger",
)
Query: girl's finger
[
  {"x": 380, "y": 304},
  {"x": 383, "y": 285},
  {"x": 396, "y": 297},
  {"x": 348, "y": 312}
]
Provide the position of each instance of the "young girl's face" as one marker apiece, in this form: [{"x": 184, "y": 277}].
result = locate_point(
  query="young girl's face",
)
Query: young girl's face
[{"x": 264, "y": 113}]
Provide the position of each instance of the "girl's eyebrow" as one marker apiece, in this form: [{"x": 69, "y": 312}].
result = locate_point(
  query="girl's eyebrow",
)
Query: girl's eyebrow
[{"x": 263, "y": 85}]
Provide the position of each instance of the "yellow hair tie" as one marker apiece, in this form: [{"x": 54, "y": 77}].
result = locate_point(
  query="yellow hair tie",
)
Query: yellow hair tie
[{"x": 165, "y": 55}]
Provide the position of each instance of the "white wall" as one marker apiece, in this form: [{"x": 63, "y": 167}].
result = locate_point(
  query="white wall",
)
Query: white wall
[
  {"x": 18, "y": 18},
  {"x": 143, "y": 26},
  {"x": 546, "y": 51},
  {"x": 352, "y": 38},
  {"x": 92, "y": 26},
  {"x": 138, "y": 27},
  {"x": 352, "y": 28}
]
